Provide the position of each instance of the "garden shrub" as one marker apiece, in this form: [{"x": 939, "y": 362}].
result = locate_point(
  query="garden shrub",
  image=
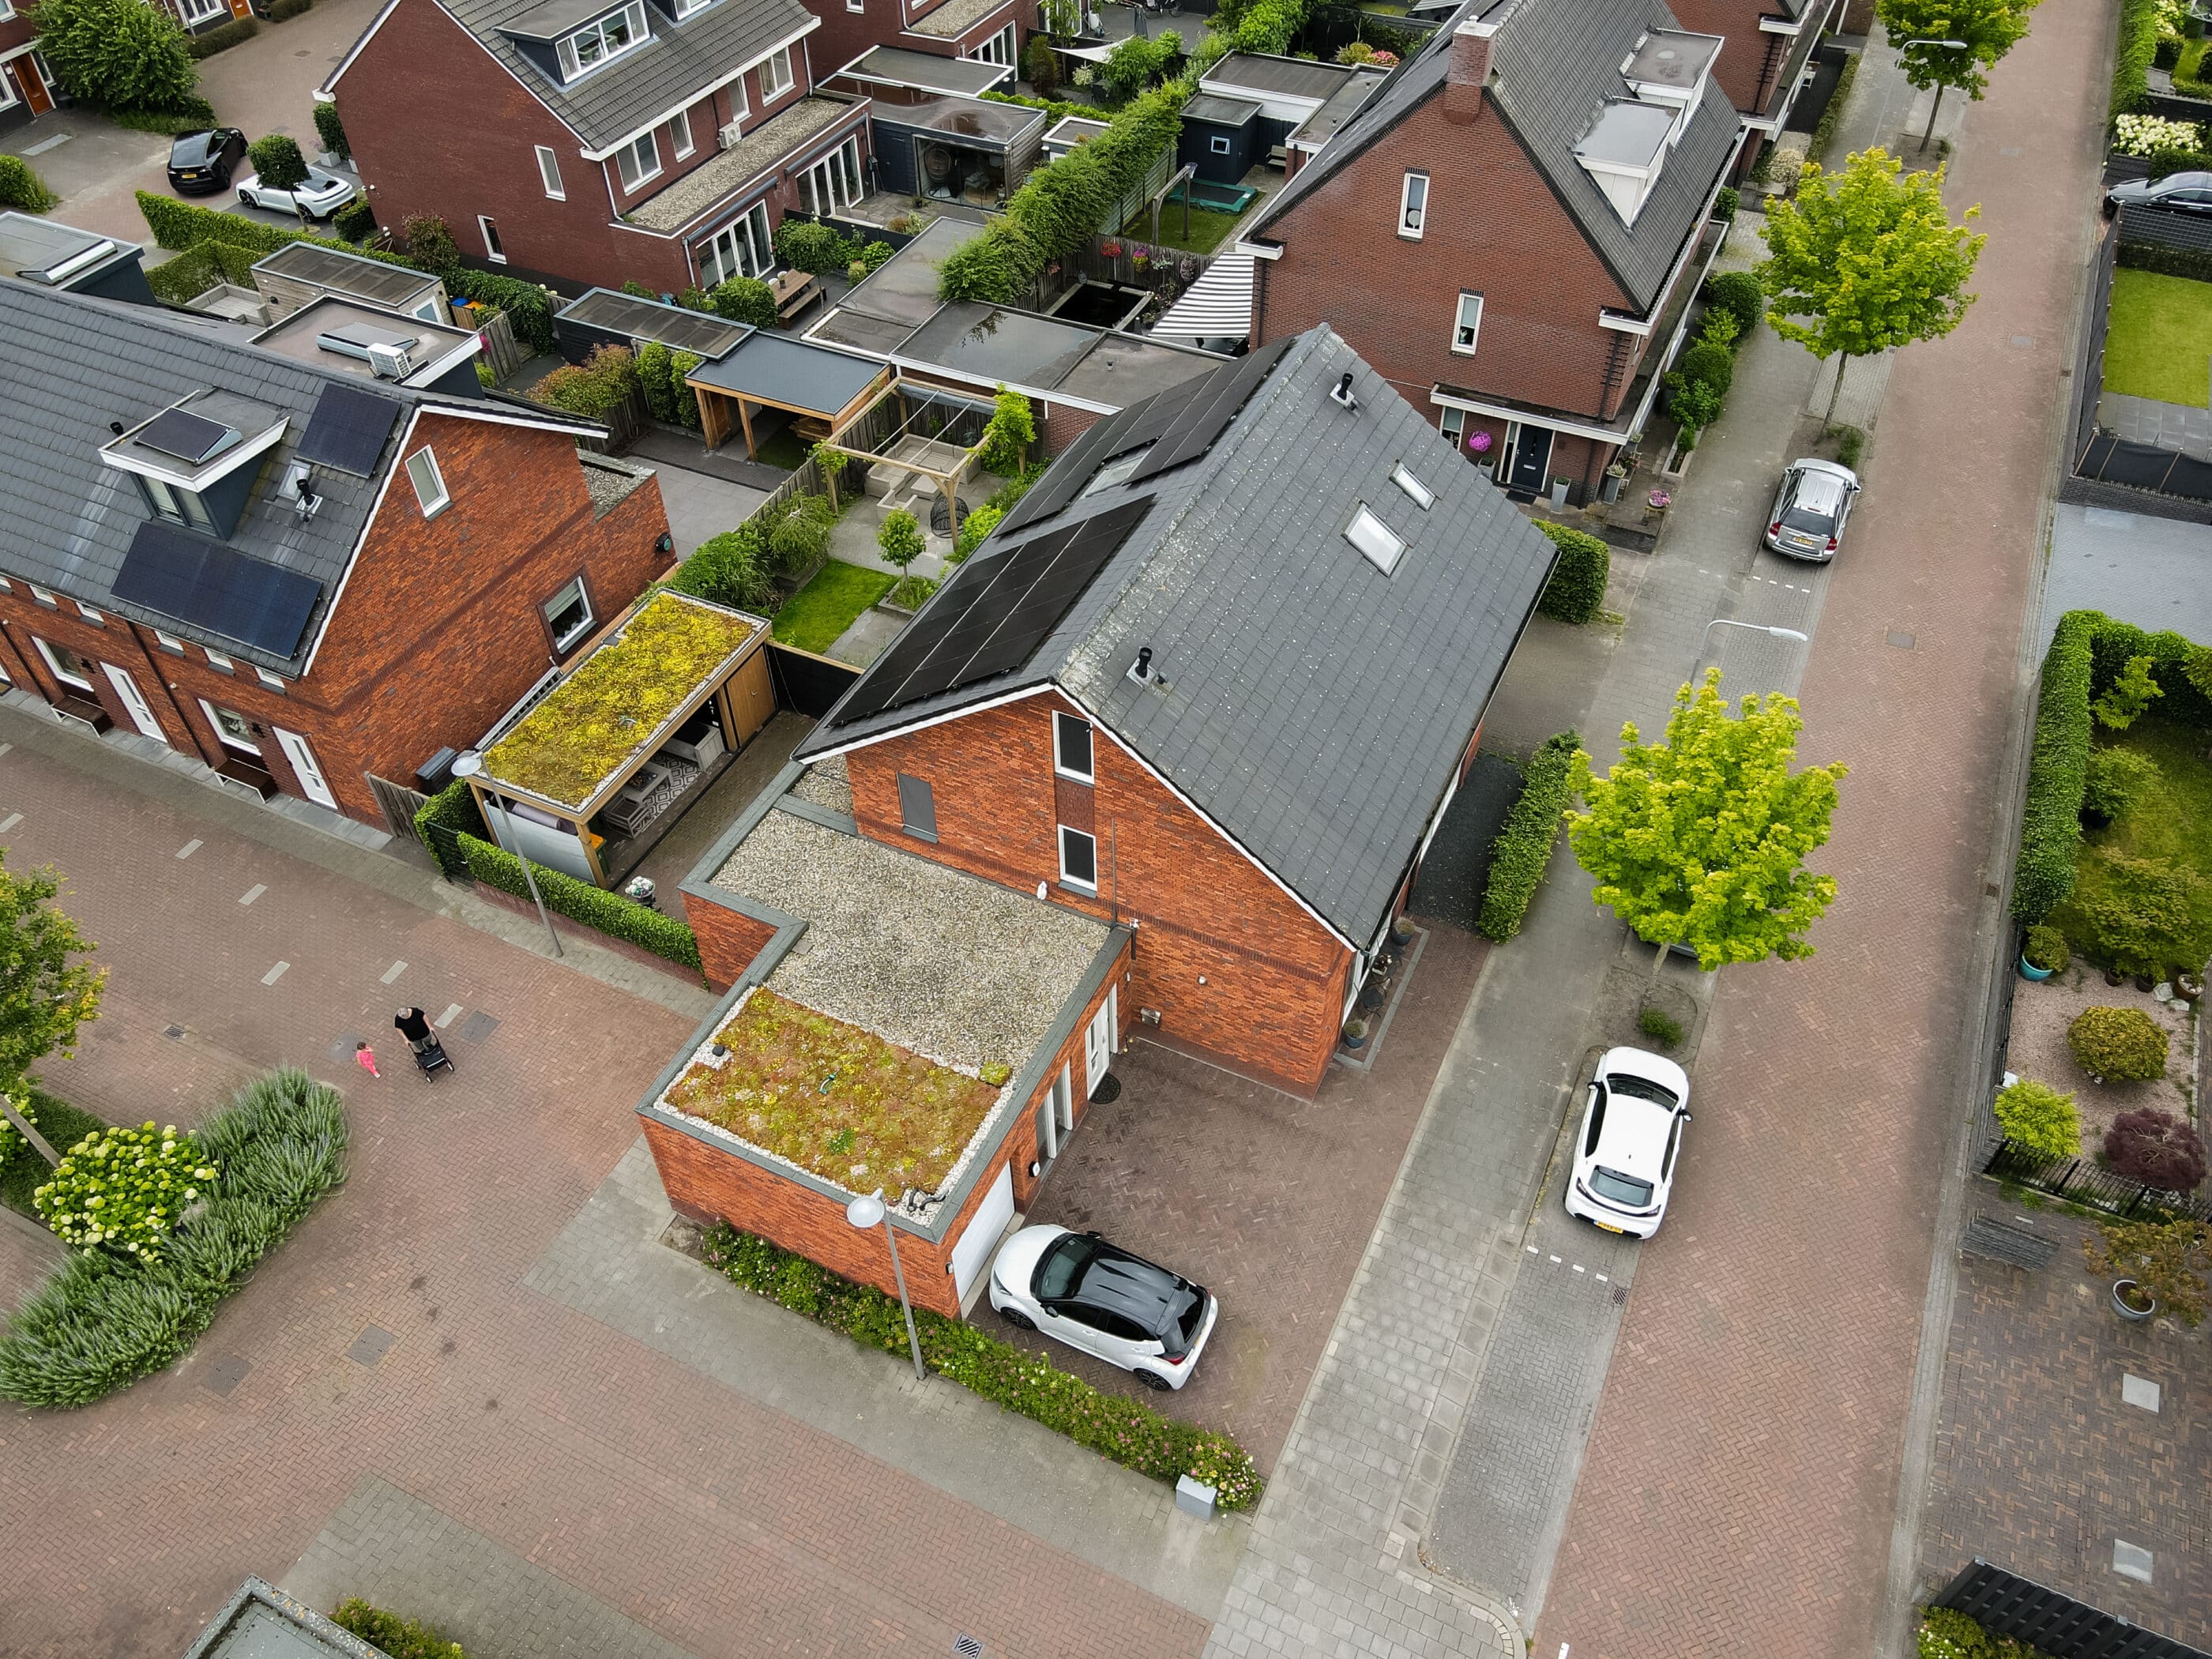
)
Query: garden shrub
[
  {"x": 332, "y": 131},
  {"x": 2148, "y": 915},
  {"x": 2156, "y": 1148},
  {"x": 124, "y": 1190},
  {"x": 2165, "y": 55},
  {"x": 1739, "y": 294},
  {"x": 798, "y": 533},
  {"x": 221, "y": 38},
  {"x": 1041, "y": 67},
  {"x": 1851, "y": 444},
  {"x": 281, "y": 10},
  {"x": 196, "y": 115},
  {"x": 655, "y": 364},
  {"x": 453, "y": 808},
  {"x": 356, "y": 220},
  {"x": 2114, "y": 779},
  {"x": 193, "y": 272},
  {"x": 596, "y": 388},
  {"x": 1725, "y": 202},
  {"x": 2147, "y": 135},
  {"x": 1826, "y": 128},
  {"x": 1712, "y": 364},
  {"x": 2040, "y": 1119},
  {"x": 1523, "y": 850},
  {"x": 873, "y": 256},
  {"x": 23, "y": 189},
  {"x": 1008, "y": 434},
  {"x": 2128, "y": 695},
  {"x": 815, "y": 249},
  {"x": 973, "y": 529},
  {"x": 1056, "y": 110},
  {"x": 610, "y": 913},
  {"x": 390, "y": 1634},
  {"x": 119, "y": 54},
  {"x": 1693, "y": 403},
  {"x": 2057, "y": 771},
  {"x": 743, "y": 299},
  {"x": 680, "y": 366},
  {"x": 2120, "y": 1045},
  {"x": 1660, "y": 1026},
  {"x": 276, "y": 160},
  {"x": 430, "y": 242},
  {"x": 102, "y": 1321},
  {"x": 733, "y": 568},
  {"x": 1577, "y": 588},
  {"x": 1127, "y": 1431},
  {"x": 2046, "y": 948}
]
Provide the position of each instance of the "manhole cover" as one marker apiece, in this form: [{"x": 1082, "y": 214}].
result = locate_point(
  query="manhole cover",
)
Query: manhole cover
[
  {"x": 174, "y": 1033},
  {"x": 1902, "y": 641},
  {"x": 369, "y": 1346},
  {"x": 967, "y": 1647},
  {"x": 477, "y": 1027},
  {"x": 224, "y": 1374}
]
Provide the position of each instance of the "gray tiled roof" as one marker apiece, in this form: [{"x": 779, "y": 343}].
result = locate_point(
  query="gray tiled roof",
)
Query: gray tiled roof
[
  {"x": 1315, "y": 707},
  {"x": 681, "y": 60},
  {"x": 73, "y": 365},
  {"x": 1553, "y": 65}
]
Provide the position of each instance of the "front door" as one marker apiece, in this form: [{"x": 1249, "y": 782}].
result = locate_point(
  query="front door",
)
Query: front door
[
  {"x": 134, "y": 702},
  {"x": 1532, "y": 459},
  {"x": 1099, "y": 1046},
  {"x": 304, "y": 769}
]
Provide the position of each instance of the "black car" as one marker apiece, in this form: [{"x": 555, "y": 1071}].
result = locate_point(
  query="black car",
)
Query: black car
[
  {"x": 201, "y": 163},
  {"x": 2178, "y": 192}
]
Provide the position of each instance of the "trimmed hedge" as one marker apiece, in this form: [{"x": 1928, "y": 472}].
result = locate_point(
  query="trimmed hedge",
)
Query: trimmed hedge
[
  {"x": 1127, "y": 1431},
  {"x": 100, "y": 1322},
  {"x": 2196, "y": 264},
  {"x": 387, "y": 1633},
  {"x": 453, "y": 807},
  {"x": 1578, "y": 586},
  {"x": 1827, "y": 129},
  {"x": 328, "y": 127},
  {"x": 222, "y": 37},
  {"x": 193, "y": 272},
  {"x": 2139, "y": 26},
  {"x": 21, "y": 188},
  {"x": 1522, "y": 851},
  {"x": 610, "y": 913},
  {"x": 1056, "y": 110},
  {"x": 280, "y": 10}
]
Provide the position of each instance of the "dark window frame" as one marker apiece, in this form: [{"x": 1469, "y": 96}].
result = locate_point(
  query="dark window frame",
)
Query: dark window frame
[
  {"x": 1063, "y": 722},
  {"x": 926, "y": 799},
  {"x": 1068, "y": 879}
]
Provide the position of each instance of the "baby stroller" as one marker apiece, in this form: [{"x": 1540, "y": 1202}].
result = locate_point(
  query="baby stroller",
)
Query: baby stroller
[{"x": 430, "y": 1056}]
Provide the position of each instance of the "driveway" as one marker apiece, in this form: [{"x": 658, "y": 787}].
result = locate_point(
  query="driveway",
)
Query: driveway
[{"x": 2155, "y": 573}]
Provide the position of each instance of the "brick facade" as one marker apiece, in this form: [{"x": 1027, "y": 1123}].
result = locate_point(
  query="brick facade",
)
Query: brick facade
[
  {"x": 728, "y": 940},
  {"x": 463, "y": 142},
  {"x": 849, "y": 29},
  {"x": 436, "y": 634},
  {"x": 1751, "y": 59},
  {"x": 1235, "y": 967}
]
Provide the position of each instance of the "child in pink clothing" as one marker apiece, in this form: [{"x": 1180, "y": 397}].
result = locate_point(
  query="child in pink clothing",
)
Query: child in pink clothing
[{"x": 367, "y": 1056}]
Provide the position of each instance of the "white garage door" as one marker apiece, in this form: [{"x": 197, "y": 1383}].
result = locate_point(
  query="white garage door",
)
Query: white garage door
[{"x": 972, "y": 1254}]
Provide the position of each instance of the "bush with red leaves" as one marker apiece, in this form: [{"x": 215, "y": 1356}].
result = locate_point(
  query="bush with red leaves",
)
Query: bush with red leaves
[{"x": 2157, "y": 1149}]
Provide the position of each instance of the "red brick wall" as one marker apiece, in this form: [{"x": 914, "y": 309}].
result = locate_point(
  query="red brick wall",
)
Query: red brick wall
[
  {"x": 436, "y": 634},
  {"x": 1063, "y": 424},
  {"x": 1274, "y": 978},
  {"x": 728, "y": 941},
  {"x": 845, "y": 34},
  {"x": 1745, "y": 72}
]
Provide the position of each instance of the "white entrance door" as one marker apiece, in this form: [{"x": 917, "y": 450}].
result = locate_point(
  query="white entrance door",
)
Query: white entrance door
[
  {"x": 304, "y": 768},
  {"x": 142, "y": 712},
  {"x": 1098, "y": 1044},
  {"x": 972, "y": 1254}
]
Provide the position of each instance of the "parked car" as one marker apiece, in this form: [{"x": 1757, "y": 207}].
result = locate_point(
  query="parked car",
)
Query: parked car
[
  {"x": 201, "y": 163},
  {"x": 2182, "y": 192},
  {"x": 1631, "y": 1132},
  {"x": 1810, "y": 509},
  {"x": 322, "y": 194},
  {"x": 1081, "y": 1290}
]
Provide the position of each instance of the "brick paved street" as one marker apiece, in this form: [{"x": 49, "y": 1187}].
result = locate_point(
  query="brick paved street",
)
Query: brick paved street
[
  {"x": 2042, "y": 1467},
  {"x": 718, "y": 1524},
  {"x": 1741, "y": 1481}
]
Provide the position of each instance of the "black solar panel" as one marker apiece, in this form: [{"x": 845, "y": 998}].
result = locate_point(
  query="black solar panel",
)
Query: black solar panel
[
  {"x": 189, "y": 437},
  {"x": 995, "y": 613},
  {"x": 207, "y": 585},
  {"x": 1069, "y": 474},
  {"x": 348, "y": 429},
  {"x": 1208, "y": 415}
]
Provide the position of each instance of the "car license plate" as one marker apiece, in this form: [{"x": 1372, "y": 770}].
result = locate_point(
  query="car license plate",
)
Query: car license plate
[{"x": 1610, "y": 1228}]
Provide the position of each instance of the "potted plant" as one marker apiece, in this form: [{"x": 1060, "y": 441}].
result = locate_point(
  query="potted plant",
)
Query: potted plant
[
  {"x": 1355, "y": 1033},
  {"x": 2152, "y": 1265},
  {"x": 1616, "y": 476},
  {"x": 2188, "y": 987},
  {"x": 2044, "y": 953},
  {"x": 1402, "y": 930}
]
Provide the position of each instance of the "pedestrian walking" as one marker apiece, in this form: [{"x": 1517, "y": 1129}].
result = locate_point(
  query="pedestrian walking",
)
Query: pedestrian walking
[
  {"x": 367, "y": 1056},
  {"x": 413, "y": 1024}
]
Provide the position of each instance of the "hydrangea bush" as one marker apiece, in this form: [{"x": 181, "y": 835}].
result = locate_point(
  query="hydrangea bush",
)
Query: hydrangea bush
[
  {"x": 122, "y": 1189},
  {"x": 2141, "y": 135}
]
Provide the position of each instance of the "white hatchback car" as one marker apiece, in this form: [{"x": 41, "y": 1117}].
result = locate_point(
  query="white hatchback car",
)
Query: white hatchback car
[
  {"x": 1631, "y": 1132},
  {"x": 1095, "y": 1295}
]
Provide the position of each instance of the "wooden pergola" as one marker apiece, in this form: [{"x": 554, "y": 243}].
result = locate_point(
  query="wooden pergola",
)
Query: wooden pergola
[
  {"x": 924, "y": 457},
  {"x": 818, "y": 386}
]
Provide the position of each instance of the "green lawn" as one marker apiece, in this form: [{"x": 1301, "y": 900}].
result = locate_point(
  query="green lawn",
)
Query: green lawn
[
  {"x": 1208, "y": 229},
  {"x": 784, "y": 448},
  {"x": 826, "y": 606},
  {"x": 2160, "y": 337},
  {"x": 63, "y": 1126},
  {"x": 2172, "y": 821}
]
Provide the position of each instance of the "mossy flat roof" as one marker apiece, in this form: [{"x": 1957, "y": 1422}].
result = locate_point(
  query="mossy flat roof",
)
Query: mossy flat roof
[
  {"x": 839, "y": 1102},
  {"x": 614, "y": 702}
]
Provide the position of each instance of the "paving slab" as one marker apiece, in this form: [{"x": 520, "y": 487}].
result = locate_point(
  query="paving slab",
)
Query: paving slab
[{"x": 2155, "y": 573}]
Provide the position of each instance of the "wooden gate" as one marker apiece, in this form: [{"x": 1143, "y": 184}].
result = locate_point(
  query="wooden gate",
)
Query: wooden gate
[{"x": 399, "y": 803}]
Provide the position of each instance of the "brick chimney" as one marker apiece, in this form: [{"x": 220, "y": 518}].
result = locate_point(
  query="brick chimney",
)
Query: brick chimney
[{"x": 1469, "y": 71}]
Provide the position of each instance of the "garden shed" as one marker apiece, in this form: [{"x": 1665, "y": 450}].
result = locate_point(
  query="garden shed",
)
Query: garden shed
[
  {"x": 586, "y": 778},
  {"x": 955, "y": 150},
  {"x": 818, "y": 385},
  {"x": 1221, "y": 137}
]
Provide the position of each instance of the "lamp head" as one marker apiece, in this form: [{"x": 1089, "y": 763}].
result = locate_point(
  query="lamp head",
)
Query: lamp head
[
  {"x": 866, "y": 1211},
  {"x": 467, "y": 764}
]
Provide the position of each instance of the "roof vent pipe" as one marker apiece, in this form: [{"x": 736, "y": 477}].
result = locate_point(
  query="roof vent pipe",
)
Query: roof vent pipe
[
  {"x": 1342, "y": 393},
  {"x": 1141, "y": 670}
]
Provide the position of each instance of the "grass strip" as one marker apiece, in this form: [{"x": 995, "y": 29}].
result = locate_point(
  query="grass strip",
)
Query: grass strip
[{"x": 822, "y": 609}]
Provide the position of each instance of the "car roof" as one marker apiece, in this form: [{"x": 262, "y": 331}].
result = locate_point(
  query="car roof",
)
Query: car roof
[
  {"x": 1633, "y": 1137},
  {"x": 1115, "y": 1281},
  {"x": 1820, "y": 489},
  {"x": 1636, "y": 1062},
  {"x": 2183, "y": 180}
]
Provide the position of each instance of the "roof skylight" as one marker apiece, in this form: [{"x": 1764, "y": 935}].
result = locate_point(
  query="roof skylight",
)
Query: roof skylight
[
  {"x": 1424, "y": 497},
  {"x": 1117, "y": 471},
  {"x": 1381, "y": 544}
]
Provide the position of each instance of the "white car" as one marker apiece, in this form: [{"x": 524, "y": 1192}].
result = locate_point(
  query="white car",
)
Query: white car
[
  {"x": 323, "y": 194},
  {"x": 1631, "y": 1132},
  {"x": 1081, "y": 1290}
]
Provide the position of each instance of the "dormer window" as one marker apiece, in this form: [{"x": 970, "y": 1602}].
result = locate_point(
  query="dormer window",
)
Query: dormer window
[
  {"x": 195, "y": 463},
  {"x": 175, "y": 503},
  {"x": 608, "y": 38},
  {"x": 1623, "y": 150}
]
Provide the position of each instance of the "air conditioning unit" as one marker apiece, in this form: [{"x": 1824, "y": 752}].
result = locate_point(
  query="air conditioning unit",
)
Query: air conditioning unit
[
  {"x": 391, "y": 362},
  {"x": 730, "y": 134}
]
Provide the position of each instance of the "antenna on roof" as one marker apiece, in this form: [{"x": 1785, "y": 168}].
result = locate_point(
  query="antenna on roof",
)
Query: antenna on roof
[{"x": 1342, "y": 391}]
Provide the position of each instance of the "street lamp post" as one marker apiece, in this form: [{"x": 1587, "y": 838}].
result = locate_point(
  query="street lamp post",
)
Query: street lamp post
[
  {"x": 469, "y": 765},
  {"x": 1754, "y": 627},
  {"x": 867, "y": 1211},
  {"x": 1948, "y": 45}
]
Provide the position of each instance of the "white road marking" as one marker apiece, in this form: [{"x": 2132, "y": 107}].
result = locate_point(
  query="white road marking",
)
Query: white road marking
[
  {"x": 1533, "y": 1250},
  {"x": 274, "y": 974},
  {"x": 1602, "y": 1280},
  {"x": 46, "y": 145},
  {"x": 5, "y": 747},
  {"x": 252, "y": 893},
  {"x": 394, "y": 971},
  {"x": 1555, "y": 1258},
  {"x": 10, "y": 821},
  {"x": 1578, "y": 1267},
  {"x": 448, "y": 1016},
  {"x": 189, "y": 849}
]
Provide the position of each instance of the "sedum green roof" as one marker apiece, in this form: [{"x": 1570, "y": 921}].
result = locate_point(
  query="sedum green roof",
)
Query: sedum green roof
[{"x": 610, "y": 707}]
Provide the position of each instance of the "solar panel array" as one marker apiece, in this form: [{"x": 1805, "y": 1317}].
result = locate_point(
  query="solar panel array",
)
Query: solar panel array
[
  {"x": 367, "y": 279},
  {"x": 1190, "y": 432},
  {"x": 170, "y": 571},
  {"x": 993, "y": 614},
  {"x": 707, "y": 336},
  {"x": 348, "y": 429},
  {"x": 189, "y": 437}
]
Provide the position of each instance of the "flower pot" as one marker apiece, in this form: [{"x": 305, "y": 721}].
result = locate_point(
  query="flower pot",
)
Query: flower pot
[
  {"x": 2188, "y": 987},
  {"x": 2133, "y": 1315},
  {"x": 1355, "y": 1034},
  {"x": 2029, "y": 970},
  {"x": 1610, "y": 491}
]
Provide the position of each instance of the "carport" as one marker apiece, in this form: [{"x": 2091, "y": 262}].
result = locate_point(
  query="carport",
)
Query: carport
[{"x": 818, "y": 386}]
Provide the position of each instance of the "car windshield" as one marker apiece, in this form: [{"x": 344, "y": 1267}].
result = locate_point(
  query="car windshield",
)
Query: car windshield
[
  {"x": 191, "y": 149},
  {"x": 1639, "y": 1088},
  {"x": 1060, "y": 1270},
  {"x": 1618, "y": 1188}
]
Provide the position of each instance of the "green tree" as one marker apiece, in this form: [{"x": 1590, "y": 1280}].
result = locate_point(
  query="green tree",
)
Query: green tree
[
  {"x": 2040, "y": 1120},
  {"x": 743, "y": 299},
  {"x": 1701, "y": 839},
  {"x": 901, "y": 540},
  {"x": 2129, "y": 696},
  {"x": 1869, "y": 257},
  {"x": 45, "y": 994},
  {"x": 278, "y": 165},
  {"x": 1009, "y": 434},
  {"x": 119, "y": 54},
  {"x": 331, "y": 131},
  {"x": 430, "y": 243},
  {"x": 1986, "y": 31}
]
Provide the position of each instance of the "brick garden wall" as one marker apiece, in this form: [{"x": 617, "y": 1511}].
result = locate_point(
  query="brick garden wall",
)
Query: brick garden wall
[{"x": 728, "y": 940}]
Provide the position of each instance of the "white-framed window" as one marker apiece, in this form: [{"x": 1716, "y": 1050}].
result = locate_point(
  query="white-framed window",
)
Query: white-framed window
[
  {"x": 493, "y": 251},
  {"x": 1072, "y": 747},
  {"x": 549, "y": 170},
  {"x": 217, "y": 659},
  {"x": 429, "y": 483},
  {"x": 1220, "y": 145},
  {"x": 1078, "y": 860},
  {"x": 679, "y": 133},
  {"x": 685, "y": 8},
  {"x": 169, "y": 642},
  {"x": 639, "y": 160},
  {"x": 1421, "y": 493},
  {"x": 1413, "y": 206},
  {"x": 1452, "y": 423},
  {"x": 67, "y": 666},
  {"x": 90, "y": 614},
  {"x": 1466, "y": 324},
  {"x": 178, "y": 506},
  {"x": 856, "y": 5},
  {"x": 7, "y": 86},
  {"x": 232, "y": 729},
  {"x": 739, "y": 249},
  {"x": 568, "y": 615},
  {"x": 597, "y": 43},
  {"x": 775, "y": 76},
  {"x": 834, "y": 182},
  {"x": 275, "y": 683},
  {"x": 43, "y": 595},
  {"x": 998, "y": 49},
  {"x": 1380, "y": 543},
  {"x": 198, "y": 11},
  {"x": 7, "y": 11}
]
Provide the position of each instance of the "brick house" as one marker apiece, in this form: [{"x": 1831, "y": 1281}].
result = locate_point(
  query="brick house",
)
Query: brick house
[
  {"x": 1767, "y": 46},
  {"x": 26, "y": 85},
  {"x": 280, "y": 565},
  {"x": 1513, "y": 230},
  {"x": 594, "y": 142},
  {"x": 1216, "y": 679},
  {"x": 981, "y": 31}
]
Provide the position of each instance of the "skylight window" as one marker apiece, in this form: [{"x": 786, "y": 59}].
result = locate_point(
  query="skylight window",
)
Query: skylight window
[
  {"x": 1380, "y": 543},
  {"x": 1117, "y": 471},
  {"x": 1424, "y": 497}
]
